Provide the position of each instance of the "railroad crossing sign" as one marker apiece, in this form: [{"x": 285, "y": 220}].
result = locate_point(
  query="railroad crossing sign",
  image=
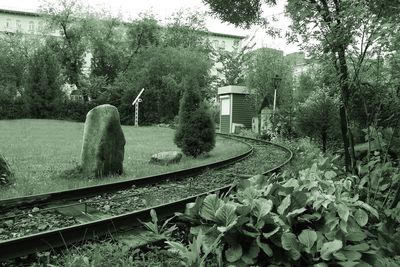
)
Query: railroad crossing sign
[{"x": 136, "y": 104}]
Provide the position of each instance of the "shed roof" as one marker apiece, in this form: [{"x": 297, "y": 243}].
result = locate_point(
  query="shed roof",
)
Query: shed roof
[{"x": 233, "y": 89}]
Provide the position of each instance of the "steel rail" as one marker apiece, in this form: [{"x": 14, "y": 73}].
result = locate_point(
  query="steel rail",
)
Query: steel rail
[
  {"x": 62, "y": 237},
  {"x": 83, "y": 192}
]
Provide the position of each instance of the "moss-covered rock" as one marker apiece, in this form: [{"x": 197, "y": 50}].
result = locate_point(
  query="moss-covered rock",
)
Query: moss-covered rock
[
  {"x": 103, "y": 142},
  {"x": 5, "y": 171}
]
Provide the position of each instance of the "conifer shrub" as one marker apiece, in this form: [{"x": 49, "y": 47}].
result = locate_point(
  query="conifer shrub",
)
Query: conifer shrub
[{"x": 195, "y": 134}]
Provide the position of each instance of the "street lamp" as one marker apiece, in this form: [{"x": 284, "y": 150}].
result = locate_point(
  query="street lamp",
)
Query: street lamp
[{"x": 275, "y": 83}]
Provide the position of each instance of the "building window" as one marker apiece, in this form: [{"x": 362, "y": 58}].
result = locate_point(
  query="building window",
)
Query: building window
[
  {"x": 225, "y": 106},
  {"x": 215, "y": 43},
  {"x": 19, "y": 27},
  {"x": 31, "y": 26}
]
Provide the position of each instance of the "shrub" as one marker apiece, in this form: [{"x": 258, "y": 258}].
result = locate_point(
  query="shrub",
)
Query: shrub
[
  {"x": 43, "y": 93},
  {"x": 196, "y": 131}
]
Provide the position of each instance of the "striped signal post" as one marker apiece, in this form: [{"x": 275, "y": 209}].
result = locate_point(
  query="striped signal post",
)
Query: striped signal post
[{"x": 136, "y": 104}]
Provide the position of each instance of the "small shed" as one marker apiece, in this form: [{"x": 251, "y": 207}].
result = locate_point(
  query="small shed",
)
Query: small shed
[{"x": 235, "y": 108}]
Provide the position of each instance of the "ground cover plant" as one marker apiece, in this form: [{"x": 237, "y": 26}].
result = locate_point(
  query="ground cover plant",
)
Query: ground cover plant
[
  {"x": 315, "y": 218},
  {"x": 40, "y": 151}
]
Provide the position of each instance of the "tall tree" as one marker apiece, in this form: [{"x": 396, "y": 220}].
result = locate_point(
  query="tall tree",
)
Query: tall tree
[
  {"x": 43, "y": 92},
  {"x": 66, "y": 18},
  {"x": 335, "y": 28}
]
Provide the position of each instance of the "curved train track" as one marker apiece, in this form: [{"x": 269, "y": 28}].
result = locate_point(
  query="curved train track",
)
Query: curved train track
[{"x": 90, "y": 212}]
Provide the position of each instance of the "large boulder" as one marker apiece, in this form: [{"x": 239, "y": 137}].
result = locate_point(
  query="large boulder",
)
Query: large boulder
[
  {"x": 166, "y": 158},
  {"x": 5, "y": 171},
  {"x": 103, "y": 142}
]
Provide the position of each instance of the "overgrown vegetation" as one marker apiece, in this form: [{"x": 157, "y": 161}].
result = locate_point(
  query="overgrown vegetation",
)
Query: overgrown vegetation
[{"x": 318, "y": 216}]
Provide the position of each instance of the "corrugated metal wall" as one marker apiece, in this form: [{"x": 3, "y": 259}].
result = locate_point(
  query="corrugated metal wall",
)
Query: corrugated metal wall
[
  {"x": 224, "y": 123},
  {"x": 241, "y": 110}
]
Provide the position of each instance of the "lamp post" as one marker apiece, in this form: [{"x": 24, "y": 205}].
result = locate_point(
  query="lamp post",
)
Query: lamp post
[{"x": 275, "y": 83}]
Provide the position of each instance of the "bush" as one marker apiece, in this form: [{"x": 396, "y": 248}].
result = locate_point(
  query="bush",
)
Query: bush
[
  {"x": 196, "y": 131},
  {"x": 43, "y": 94}
]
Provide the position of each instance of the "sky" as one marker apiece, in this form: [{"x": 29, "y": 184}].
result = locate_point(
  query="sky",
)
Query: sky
[{"x": 164, "y": 8}]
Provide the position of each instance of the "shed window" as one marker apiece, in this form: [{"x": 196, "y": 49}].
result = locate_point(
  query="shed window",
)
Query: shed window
[{"x": 225, "y": 106}]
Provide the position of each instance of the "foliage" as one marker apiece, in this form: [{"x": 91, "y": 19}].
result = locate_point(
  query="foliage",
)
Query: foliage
[
  {"x": 306, "y": 86},
  {"x": 43, "y": 93},
  {"x": 232, "y": 64},
  {"x": 15, "y": 51},
  {"x": 196, "y": 131},
  {"x": 264, "y": 64},
  {"x": 318, "y": 117},
  {"x": 65, "y": 17},
  {"x": 240, "y": 13},
  {"x": 186, "y": 29},
  {"x": 312, "y": 218},
  {"x": 378, "y": 179},
  {"x": 160, "y": 231}
]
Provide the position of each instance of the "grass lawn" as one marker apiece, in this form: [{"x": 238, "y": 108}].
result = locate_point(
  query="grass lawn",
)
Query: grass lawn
[{"x": 40, "y": 151}]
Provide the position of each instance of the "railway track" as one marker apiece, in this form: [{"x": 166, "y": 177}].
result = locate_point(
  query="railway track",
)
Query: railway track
[{"x": 91, "y": 212}]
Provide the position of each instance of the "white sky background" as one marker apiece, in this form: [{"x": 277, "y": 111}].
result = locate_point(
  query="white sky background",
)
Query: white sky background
[{"x": 164, "y": 8}]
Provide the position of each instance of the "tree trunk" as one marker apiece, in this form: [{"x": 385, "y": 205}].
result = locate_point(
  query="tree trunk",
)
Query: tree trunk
[
  {"x": 348, "y": 142},
  {"x": 324, "y": 135}
]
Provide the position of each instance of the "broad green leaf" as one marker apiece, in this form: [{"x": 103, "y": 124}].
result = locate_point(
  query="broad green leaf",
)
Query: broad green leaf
[
  {"x": 294, "y": 254},
  {"x": 269, "y": 234},
  {"x": 252, "y": 253},
  {"x": 307, "y": 238},
  {"x": 264, "y": 247},
  {"x": 356, "y": 236},
  {"x": 291, "y": 183},
  {"x": 329, "y": 175},
  {"x": 348, "y": 263},
  {"x": 290, "y": 243},
  {"x": 284, "y": 205},
  {"x": 293, "y": 213},
  {"x": 243, "y": 210},
  {"x": 359, "y": 247},
  {"x": 226, "y": 214},
  {"x": 343, "y": 211},
  {"x": 321, "y": 264},
  {"x": 343, "y": 226},
  {"x": 330, "y": 247},
  {"x": 262, "y": 207},
  {"x": 351, "y": 255},
  {"x": 339, "y": 256},
  {"x": 298, "y": 200},
  {"x": 361, "y": 217},
  {"x": 234, "y": 253},
  {"x": 368, "y": 208},
  {"x": 211, "y": 204}
]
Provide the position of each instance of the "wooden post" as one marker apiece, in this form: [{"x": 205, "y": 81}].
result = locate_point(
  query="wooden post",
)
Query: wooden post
[
  {"x": 137, "y": 114},
  {"x": 136, "y": 104}
]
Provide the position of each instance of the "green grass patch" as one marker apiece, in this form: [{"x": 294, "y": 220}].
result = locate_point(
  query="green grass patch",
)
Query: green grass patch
[{"x": 40, "y": 153}]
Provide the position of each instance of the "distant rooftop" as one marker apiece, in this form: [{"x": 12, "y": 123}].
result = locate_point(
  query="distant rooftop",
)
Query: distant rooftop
[
  {"x": 32, "y": 12},
  {"x": 20, "y": 11}
]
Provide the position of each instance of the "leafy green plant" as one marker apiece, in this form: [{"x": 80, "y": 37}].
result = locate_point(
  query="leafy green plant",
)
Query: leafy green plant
[
  {"x": 160, "y": 231},
  {"x": 312, "y": 219}
]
